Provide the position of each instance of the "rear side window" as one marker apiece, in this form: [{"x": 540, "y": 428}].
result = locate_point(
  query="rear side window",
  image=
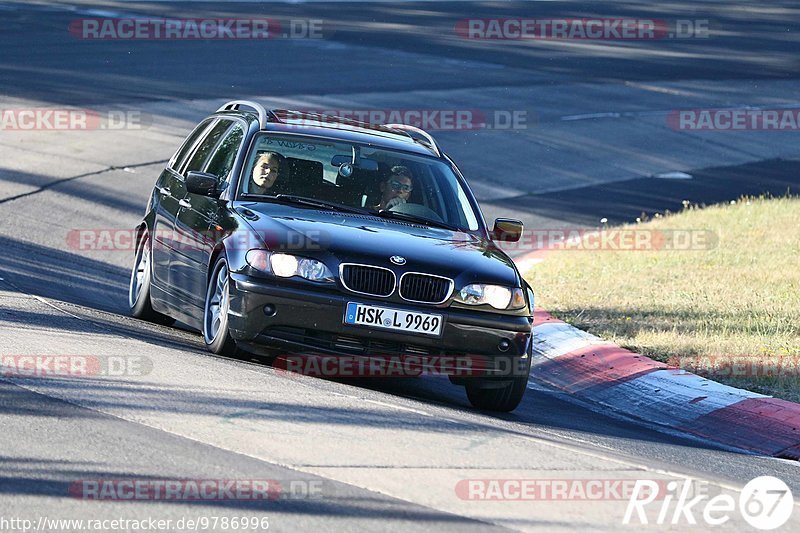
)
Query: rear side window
[
  {"x": 206, "y": 146},
  {"x": 180, "y": 156},
  {"x": 224, "y": 157}
]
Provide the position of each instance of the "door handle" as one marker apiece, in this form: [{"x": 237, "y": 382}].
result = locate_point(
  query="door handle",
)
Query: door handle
[
  {"x": 185, "y": 203},
  {"x": 164, "y": 191}
]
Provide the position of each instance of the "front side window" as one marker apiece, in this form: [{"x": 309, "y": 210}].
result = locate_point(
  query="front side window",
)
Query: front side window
[
  {"x": 204, "y": 149},
  {"x": 381, "y": 181},
  {"x": 183, "y": 153},
  {"x": 221, "y": 163}
]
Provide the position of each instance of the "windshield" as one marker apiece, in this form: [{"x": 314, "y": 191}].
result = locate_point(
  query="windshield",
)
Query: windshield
[{"x": 384, "y": 181}]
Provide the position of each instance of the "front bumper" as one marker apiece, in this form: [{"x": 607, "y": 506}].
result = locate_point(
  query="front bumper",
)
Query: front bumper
[{"x": 310, "y": 320}]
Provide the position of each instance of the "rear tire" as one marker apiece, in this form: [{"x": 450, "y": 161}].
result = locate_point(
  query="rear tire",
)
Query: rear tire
[
  {"x": 139, "y": 287},
  {"x": 216, "y": 334},
  {"x": 503, "y": 399}
]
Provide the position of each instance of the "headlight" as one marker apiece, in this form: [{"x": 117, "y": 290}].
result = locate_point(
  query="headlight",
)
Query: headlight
[
  {"x": 313, "y": 270},
  {"x": 494, "y": 295},
  {"x": 284, "y": 265},
  {"x": 287, "y": 265}
]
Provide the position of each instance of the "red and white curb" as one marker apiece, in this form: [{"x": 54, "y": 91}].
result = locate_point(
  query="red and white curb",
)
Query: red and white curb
[{"x": 610, "y": 377}]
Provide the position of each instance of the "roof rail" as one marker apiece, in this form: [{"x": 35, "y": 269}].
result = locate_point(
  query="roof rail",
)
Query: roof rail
[
  {"x": 263, "y": 114},
  {"x": 428, "y": 137}
]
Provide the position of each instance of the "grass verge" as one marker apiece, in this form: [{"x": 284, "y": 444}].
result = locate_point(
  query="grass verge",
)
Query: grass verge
[{"x": 715, "y": 291}]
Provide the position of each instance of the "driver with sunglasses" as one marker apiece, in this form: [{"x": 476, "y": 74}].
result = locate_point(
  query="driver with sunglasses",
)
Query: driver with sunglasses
[{"x": 396, "y": 189}]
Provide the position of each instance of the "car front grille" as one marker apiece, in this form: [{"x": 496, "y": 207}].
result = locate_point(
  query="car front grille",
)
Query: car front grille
[
  {"x": 366, "y": 346},
  {"x": 425, "y": 288},
  {"x": 365, "y": 279}
]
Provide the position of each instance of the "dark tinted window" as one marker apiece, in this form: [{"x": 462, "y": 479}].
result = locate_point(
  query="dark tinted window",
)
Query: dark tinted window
[
  {"x": 222, "y": 161},
  {"x": 180, "y": 156},
  {"x": 203, "y": 151}
]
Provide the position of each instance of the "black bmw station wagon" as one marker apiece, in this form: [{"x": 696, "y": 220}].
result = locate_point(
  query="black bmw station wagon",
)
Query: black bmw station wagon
[{"x": 277, "y": 232}]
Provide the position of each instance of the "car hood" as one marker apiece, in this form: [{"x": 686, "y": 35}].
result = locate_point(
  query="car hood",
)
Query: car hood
[{"x": 353, "y": 238}]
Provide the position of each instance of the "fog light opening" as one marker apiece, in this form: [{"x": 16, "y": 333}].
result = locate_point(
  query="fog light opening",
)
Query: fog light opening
[
  {"x": 504, "y": 345},
  {"x": 270, "y": 310}
]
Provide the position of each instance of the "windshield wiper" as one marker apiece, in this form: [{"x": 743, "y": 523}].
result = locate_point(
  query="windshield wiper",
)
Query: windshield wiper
[
  {"x": 386, "y": 213},
  {"x": 309, "y": 202}
]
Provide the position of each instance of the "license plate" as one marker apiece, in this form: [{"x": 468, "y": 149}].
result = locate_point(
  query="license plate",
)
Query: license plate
[{"x": 394, "y": 319}]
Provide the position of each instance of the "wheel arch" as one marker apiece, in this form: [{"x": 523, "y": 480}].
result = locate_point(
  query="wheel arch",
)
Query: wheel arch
[
  {"x": 146, "y": 225},
  {"x": 219, "y": 250}
]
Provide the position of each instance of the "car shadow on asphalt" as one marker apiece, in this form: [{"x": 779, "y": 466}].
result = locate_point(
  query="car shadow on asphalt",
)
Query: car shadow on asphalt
[
  {"x": 73, "y": 187},
  {"x": 62, "y": 275},
  {"x": 71, "y": 278}
]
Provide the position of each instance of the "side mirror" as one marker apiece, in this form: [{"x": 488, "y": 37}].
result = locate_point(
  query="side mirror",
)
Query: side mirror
[
  {"x": 507, "y": 229},
  {"x": 202, "y": 183}
]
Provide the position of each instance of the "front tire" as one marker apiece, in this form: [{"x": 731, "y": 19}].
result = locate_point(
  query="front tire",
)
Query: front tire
[
  {"x": 215, "y": 312},
  {"x": 139, "y": 287}
]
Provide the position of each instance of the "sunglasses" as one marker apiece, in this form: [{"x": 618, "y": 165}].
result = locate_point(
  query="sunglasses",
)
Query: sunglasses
[{"x": 399, "y": 186}]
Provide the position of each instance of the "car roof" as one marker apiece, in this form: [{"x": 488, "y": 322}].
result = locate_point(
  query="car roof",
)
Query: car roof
[{"x": 338, "y": 128}]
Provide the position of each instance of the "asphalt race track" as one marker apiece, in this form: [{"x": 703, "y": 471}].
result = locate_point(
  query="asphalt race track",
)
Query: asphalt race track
[{"x": 368, "y": 454}]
